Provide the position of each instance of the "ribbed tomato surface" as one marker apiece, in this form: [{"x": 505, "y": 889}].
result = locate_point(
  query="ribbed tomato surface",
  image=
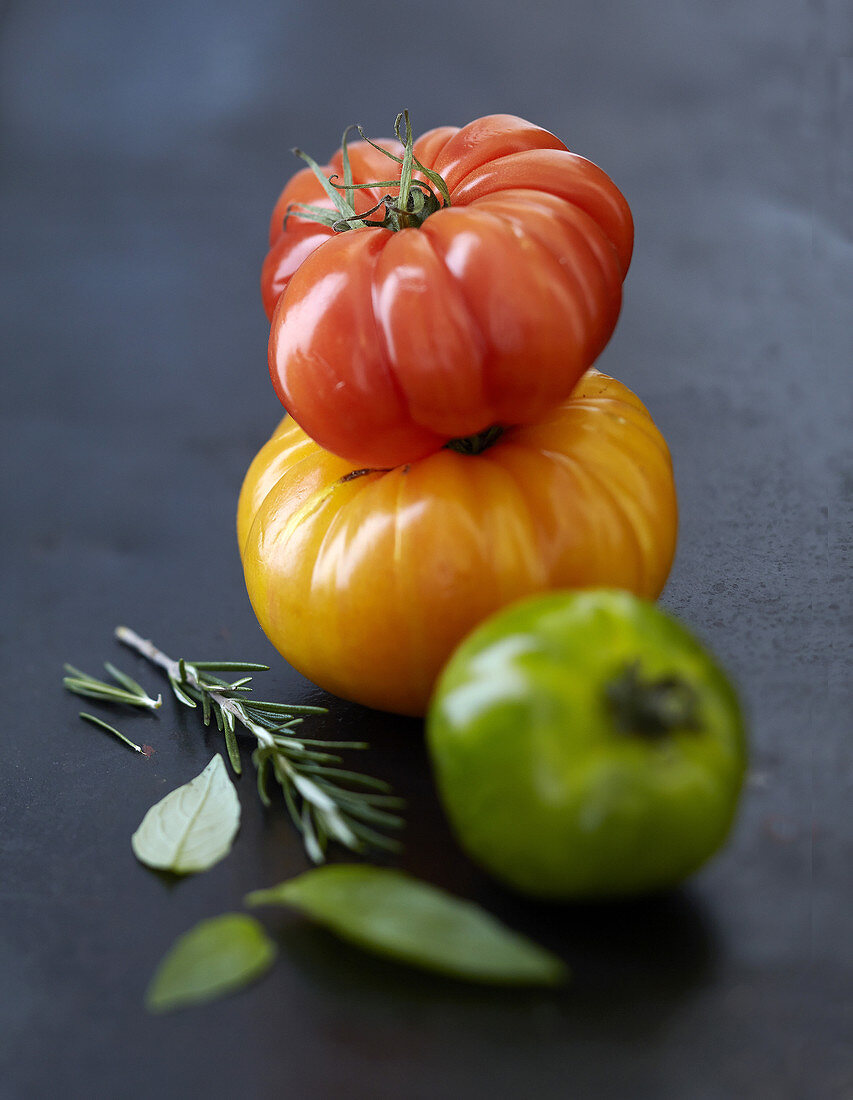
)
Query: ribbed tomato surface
[
  {"x": 366, "y": 580},
  {"x": 386, "y": 344}
]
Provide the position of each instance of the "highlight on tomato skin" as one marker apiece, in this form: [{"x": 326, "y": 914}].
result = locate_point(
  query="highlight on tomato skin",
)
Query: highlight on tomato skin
[
  {"x": 387, "y": 340},
  {"x": 366, "y": 580}
]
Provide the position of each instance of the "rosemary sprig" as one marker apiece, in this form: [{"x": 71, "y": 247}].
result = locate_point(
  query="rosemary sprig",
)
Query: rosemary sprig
[
  {"x": 81, "y": 683},
  {"x": 325, "y": 802}
]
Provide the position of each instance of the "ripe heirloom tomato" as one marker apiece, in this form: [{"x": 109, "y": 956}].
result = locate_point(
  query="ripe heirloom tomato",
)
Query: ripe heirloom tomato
[
  {"x": 366, "y": 580},
  {"x": 386, "y": 343},
  {"x": 585, "y": 745}
]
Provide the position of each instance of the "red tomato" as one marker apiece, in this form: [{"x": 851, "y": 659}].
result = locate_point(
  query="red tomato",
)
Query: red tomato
[{"x": 386, "y": 344}]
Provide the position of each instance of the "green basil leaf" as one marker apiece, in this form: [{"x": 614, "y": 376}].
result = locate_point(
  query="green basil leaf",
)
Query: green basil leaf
[
  {"x": 392, "y": 914},
  {"x": 215, "y": 957},
  {"x": 192, "y": 827}
]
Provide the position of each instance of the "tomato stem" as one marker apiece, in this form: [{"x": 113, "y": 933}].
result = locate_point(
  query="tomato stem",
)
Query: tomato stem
[
  {"x": 353, "y": 474},
  {"x": 652, "y": 708},
  {"x": 408, "y": 209},
  {"x": 476, "y": 444}
]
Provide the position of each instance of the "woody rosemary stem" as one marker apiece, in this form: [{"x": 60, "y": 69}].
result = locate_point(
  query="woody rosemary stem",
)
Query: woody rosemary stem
[{"x": 178, "y": 671}]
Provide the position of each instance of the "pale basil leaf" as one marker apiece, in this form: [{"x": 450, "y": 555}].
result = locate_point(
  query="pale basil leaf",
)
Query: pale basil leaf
[
  {"x": 215, "y": 957},
  {"x": 192, "y": 827},
  {"x": 393, "y": 914}
]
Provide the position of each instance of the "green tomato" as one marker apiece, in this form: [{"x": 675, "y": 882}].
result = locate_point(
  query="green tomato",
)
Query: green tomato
[{"x": 585, "y": 745}]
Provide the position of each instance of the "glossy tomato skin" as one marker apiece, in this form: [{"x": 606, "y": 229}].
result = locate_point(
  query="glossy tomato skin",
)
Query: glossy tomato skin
[
  {"x": 367, "y": 580},
  {"x": 385, "y": 345},
  {"x": 544, "y": 788},
  {"x": 291, "y": 238}
]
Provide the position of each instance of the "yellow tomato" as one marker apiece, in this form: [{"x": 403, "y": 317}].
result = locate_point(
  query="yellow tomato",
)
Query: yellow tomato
[{"x": 367, "y": 580}]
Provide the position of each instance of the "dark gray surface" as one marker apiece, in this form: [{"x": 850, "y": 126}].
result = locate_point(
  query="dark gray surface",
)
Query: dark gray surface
[{"x": 142, "y": 148}]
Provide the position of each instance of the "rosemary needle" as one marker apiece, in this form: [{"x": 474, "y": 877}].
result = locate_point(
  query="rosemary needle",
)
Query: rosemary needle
[{"x": 112, "y": 730}]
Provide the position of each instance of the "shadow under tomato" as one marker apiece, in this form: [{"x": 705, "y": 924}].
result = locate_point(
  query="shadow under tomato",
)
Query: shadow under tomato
[
  {"x": 632, "y": 965},
  {"x": 633, "y": 961}
]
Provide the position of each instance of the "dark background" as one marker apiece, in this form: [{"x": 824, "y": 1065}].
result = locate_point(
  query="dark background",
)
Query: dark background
[{"x": 143, "y": 145}]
